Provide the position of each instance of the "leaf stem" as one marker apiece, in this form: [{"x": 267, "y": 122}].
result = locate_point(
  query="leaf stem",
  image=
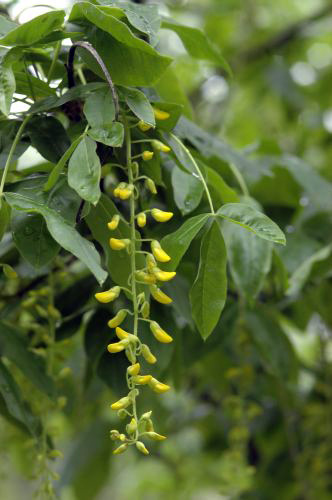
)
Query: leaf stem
[
  {"x": 199, "y": 173},
  {"x": 239, "y": 177},
  {"x": 11, "y": 152}
]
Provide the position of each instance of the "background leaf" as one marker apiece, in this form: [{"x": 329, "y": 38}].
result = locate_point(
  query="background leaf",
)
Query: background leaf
[
  {"x": 187, "y": 190},
  {"x": 49, "y": 137},
  {"x": 84, "y": 171},
  {"x": 7, "y": 88}
]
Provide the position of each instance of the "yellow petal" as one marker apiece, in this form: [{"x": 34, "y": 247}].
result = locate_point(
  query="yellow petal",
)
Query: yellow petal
[
  {"x": 160, "y": 114},
  {"x": 160, "y": 215}
]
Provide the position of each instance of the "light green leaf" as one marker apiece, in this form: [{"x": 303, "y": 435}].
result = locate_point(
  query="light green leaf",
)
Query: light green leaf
[
  {"x": 99, "y": 108},
  {"x": 176, "y": 244},
  {"x": 253, "y": 220},
  {"x": 7, "y": 88},
  {"x": 170, "y": 89},
  {"x": 62, "y": 232},
  {"x": 299, "y": 277},
  {"x": 84, "y": 171},
  {"x": 117, "y": 43},
  {"x": 111, "y": 135},
  {"x": 32, "y": 31},
  {"x": 6, "y": 25},
  {"x": 139, "y": 104},
  {"x": 187, "y": 190},
  {"x": 249, "y": 258},
  {"x": 14, "y": 346},
  {"x": 196, "y": 43},
  {"x": 209, "y": 291}
]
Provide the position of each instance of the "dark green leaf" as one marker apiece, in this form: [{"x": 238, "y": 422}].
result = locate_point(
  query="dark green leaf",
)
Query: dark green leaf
[
  {"x": 14, "y": 346},
  {"x": 49, "y": 137},
  {"x": 209, "y": 291},
  {"x": 139, "y": 104},
  {"x": 8, "y": 130},
  {"x": 110, "y": 135},
  {"x": 187, "y": 190},
  {"x": 62, "y": 232},
  {"x": 32, "y": 31},
  {"x": 253, "y": 220},
  {"x": 84, "y": 171},
  {"x": 176, "y": 244}
]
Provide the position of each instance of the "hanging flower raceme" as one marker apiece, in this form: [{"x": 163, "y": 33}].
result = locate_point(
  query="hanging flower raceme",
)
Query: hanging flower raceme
[{"x": 128, "y": 339}]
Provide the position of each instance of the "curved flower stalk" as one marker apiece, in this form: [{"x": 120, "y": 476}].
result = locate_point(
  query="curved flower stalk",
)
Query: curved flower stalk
[{"x": 138, "y": 426}]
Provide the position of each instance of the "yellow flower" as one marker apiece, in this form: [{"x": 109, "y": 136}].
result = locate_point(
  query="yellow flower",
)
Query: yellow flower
[
  {"x": 160, "y": 146},
  {"x": 121, "y": 334},
  {"x": 157, "y": 386},
  {"x": 113, "y": 224},
  {"x": 147, "y": 278},
  {"x": 140, "y": 446},
  {"x": 151, "y": 263},
  {"x": 155, "y": 436},
  {"x": 142, "y": 379},
  {"x": 160, "y": 215},
  {"x": 126, "y": 193},
  {"x": 134, "y": 369},
  {"x": 158, "y": 252},
  {"x": 151, "y": 186},
  {"x": 121, "y": 403},
  {"x": 132, "y": 426},
  {"x": 147, "y": 355},
  {"x": 118, "y": 318},
  {"x": 117, "y": 346},
  {"x": 141, "y": 219},
  {"x": 159, "y": 333},
  {"x": 160, "y": 114},
  {"x": 159, "y": 295},
  {"x": 147, "y": 155},
  {"x": 117, "y": 244},
  {"x": 109, "y": 295},
  {"x": 144, "y": 127},
  {"x": 120, "y": 449},
  {"x": 164, "y": 275}
]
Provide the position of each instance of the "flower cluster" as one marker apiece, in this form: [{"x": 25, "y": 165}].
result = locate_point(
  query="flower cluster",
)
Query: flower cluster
[{"x": 151, "y": 275}]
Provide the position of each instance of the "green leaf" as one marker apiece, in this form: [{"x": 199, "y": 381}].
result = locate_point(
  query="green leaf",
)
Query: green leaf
[
  {"x": 6, "y": 25},
  {"x": 99, "y": 108},
  {"x": 253, "y": 220},
  {"x": 216, "y": 182},
  {"x": 4, "y": 217},
  {"x": 12, "y": 397},
  {"x": 31, "y": 86},
  {"x": 170, "y": 89},
  {"x": 14, "y": 346},
  {"x": 62, "y": 232},
  {"x": 299, "y": 277},
  {"x": 196, "y": 43},
  {"x": 8, "y": 131},
  {"x": 84, "y": 171},
  {"x": 57, "y": 170},
  {"x": 110, "y": 135},
  {"x": 277, "y": 353},
  {"x": 118, "y": 263},
  {"x": 249, "y": 258},
  {"x": 33, "y": 240},
  {"x": 32, "y": 31},
  {"x": 116, "y": 43},
  {"x": 49, "y": 137},
  {"x": 139, "y": 104},
  {"x": 7, "y": 88},
  {"x": 176, "y": 244},
  {"x": 187, "y": 190},
  {"x": 209, "y": 291}
]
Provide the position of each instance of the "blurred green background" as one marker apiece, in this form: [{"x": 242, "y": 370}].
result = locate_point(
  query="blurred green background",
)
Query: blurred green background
[{"x": 236, "y": 430}]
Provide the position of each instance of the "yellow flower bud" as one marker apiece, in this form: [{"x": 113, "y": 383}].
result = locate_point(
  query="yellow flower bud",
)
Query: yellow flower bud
[
  {"x": 160, "y": 114},
  {"x": 140, "y": 446},
  {"x": 147, "y": 278},
  {"x": 151, "y": 263},
  {"x": 114, "y": 434},
  {"x": 118, "y": 318},
  {"x": 160, "y": 296},
  {"x": 118, "y": 346},
  {"x": 164, "y": 275},
  {"x": 157, "y": 386},
  {"x": 109, "y": 295},
  {"x": 147, "y": 155},
  {"x": 155, "y": 436},
  {"x": 159, "y": 333},
  {"x": 151, "y": 186},
  {"x": 160, "y": 146},
  {"x": 116, "y": 244},
  {"x": 121, "y": 334},
  {"x": 130, "y": 356},
  {"x": 126, "y": 193},
  {"x": 146, "y": 415},
  {"x": 122, "y": 437},
  {"x": 158, "y": 252},
  {"x": 147, "y": 355},
  {"x": 141, "y": 219},
  {"x": 134, "y": 369},
  {"x": 145, "y": 310},
  {"x": 121, "y": 403},
  {"x": 114, "y": 222},
  {"x": 144, "y": 127},
  {"x": 122, "y": 414},
  {"x": 160, "y": 215},
  {"x": 142, "y": 379},
  {"x": 132, "y": 426},
  {"x": 120, "y": 449},
  {"x": 119, "y": 188}
]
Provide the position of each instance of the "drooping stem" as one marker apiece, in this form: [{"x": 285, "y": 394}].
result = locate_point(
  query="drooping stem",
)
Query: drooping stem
[{"x": 12, "y": 151}]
